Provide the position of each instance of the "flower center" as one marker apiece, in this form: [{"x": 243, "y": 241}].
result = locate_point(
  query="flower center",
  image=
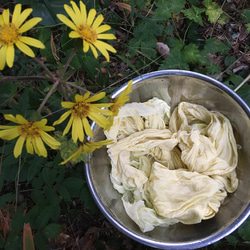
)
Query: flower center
[
  {"x": 9, "y": 34},
  {"x": 81, "y": 109},
  {"x": 87, "y": 33},
  {"x": 29, "y": 129}
]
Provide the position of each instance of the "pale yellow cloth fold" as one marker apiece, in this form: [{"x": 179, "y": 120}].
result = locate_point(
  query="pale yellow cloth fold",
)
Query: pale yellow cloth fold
[{"x": 171, "y": 168}]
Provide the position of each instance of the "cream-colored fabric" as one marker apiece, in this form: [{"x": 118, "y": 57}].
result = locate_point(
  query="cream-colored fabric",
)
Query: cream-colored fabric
[
  {"x": 171, "y": 169},
  {"x": 134, "y": 117}
]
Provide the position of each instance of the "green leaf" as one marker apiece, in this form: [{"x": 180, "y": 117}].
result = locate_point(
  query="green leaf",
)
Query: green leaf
[
  {"x": 64, "y": 193},
  {"x": 7, "y": 91},
  {"x": 166, "y": 8},
  {"x": 246, "y": 15},
  {"x": 232, "y": 240},
  {"x": 140, "y": 3},
  {"x": 244, "y": 93},
  {"x": 175, "y": 60},
  {"x": 244, "y": 230},
  {"x": 52, "y": 230},
  {"x": 6, "y": 198},
  {"x": 213, "y": 46},
  {"x": 214, "y": 12},
  {"x": 38, "y": 197},
  {"x": 233, "y": 81},
  {"x": 194, "y": 14},
  {"x": 46, "y": 9},
  {"x": 87, "y": 199},
  {"x": 191, "y": 54},
  {"x": 49, "y": 175},
  {"x": 248, "y": 27},
  {"x": 73, "y": 185},
  {"x": 51, "y": 212},
  {"x": 41, "y": 242},
  {"x": 17, "y": 220}
]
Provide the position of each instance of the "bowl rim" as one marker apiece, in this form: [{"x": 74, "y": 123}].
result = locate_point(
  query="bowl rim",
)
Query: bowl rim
[{"x": 175, "y": 245}]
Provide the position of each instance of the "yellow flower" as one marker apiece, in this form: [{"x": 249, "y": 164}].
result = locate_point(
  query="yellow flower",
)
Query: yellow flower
[
  {"x": 34, "y": 133},
  {"x": 11, "y": 34},
  {"x": 87, "y": 28},
  {"x": 87, "y": 148},
  {"x": 80, "y": 110},
  {"x": 118, "y": 103}
]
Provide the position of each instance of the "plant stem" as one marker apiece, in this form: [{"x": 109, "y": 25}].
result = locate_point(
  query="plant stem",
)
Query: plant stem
[
  {"x": 41, "y": 63},
  {"x": 242, "y": 83},
  {"x": 22, "y": 78},
  {"x": 57, "y": 82}
]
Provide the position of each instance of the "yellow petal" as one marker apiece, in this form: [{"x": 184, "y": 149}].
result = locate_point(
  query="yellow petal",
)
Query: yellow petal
[
  {"x": 66, "y": 21},
  {"x": 96, "y": 97},
  {"x": 32, "y": 42},
  {"x": 20, "y": 119},
  {"x": 10, "y": 53},
  {"x": 91, "y": 16},
  {"x": 29, "y": 146},
  {"x": 100, "y": 46},
  {"x": 39, "y": 146},
  {"x": 106, "y": 46},
  {"x": 99, "y": 119},
  {"x": 41, "y": 124},
  {"x": 19, "y": 146},
  {"x": 83, "y": 12},
  {"x": 1, "y": 19},
  {"x": 95, "y": 53},
  {"x": 10, "y": 133},
  {"x": 62, "y": 118},
  {"x": 68, "y": 159},
  {"x": 16, "y": 12},
  {"x": 98, "y": 110},
  {"x": 77, "y": 12},
  {"x": 6, "y": 16},
  {"x": 25, "y": 49},
  {"x": 77, "y": 154},
  {"x": 74, "y": 34},
  {"x": 66, "y": 130},
  {"x": 98, "y": 21},
  {"x": 77, "y": 130},
  {"x": 23, "y": 16},
  {"x": 72, "y": 15},
  {"x": 102, "y": 28},
  {"x": 68, "y": 105},
  {"x": 87, "y": 127},
  {"x": 49, "y": 140},
  {"x": 3, "y": 52},
  {"x": 30, "y": 24},
  {"x": 106, "y": 36},
  {"x": 85, "y": 46},
  {"x": 79, "y": 98}
]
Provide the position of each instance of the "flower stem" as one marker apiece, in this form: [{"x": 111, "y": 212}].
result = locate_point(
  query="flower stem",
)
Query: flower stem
[{"x": 57, "y": 82}]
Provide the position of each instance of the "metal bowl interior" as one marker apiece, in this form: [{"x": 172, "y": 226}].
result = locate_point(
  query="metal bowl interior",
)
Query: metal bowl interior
[{"x": 175, "y": 86}]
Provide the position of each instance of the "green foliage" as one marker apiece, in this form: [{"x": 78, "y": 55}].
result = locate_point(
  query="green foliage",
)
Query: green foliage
[
  {"x": 214, "y": 12},
  {"x": 166, "y": 8},
  {"x": 194, "y": 14}
]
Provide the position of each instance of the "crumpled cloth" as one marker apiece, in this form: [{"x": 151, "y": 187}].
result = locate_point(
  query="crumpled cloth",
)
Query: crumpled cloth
[{"x": 171, "y": 168}]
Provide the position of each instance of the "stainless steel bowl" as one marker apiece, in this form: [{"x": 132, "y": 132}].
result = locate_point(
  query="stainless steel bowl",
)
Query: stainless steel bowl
[{"x": 175, "y": 86}]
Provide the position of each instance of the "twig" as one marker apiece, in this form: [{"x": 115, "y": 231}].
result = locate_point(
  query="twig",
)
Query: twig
[
  {"x": 57, "y": 82},
  {"x": 41, "y": 63},
  {"x": 22, "y": 78},
  {"x": 17, "y": 181},
  {"x": 242, "y": 83}
]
